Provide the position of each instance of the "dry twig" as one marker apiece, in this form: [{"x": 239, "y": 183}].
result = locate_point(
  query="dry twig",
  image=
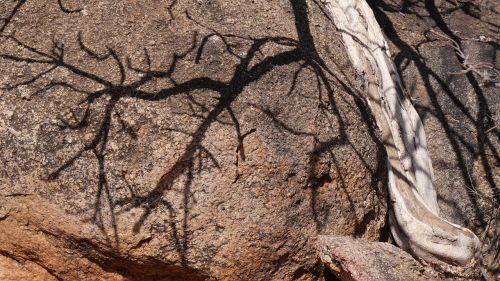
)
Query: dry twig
[{"x": 487, "y": 72}]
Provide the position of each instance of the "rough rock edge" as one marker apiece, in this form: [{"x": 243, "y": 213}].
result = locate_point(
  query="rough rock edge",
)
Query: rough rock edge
[
  {"x": 356, "y": 259},
  {"x": 71, "y": 250}
]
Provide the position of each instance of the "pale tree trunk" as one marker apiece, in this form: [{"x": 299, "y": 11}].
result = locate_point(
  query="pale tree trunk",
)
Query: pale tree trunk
[{"x": 414, "y": 219}]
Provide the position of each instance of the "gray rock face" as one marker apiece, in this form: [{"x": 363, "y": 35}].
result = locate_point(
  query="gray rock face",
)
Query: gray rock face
[{"x": 186, "y": 140}]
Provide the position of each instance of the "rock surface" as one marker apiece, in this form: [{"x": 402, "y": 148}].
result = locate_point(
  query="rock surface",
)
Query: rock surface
[
  {"x": 353, "y": 259},
  {"x": 214, "y": 139},
  {"x": 180, "y": 140},
  {"x": 358, "y": 260}
]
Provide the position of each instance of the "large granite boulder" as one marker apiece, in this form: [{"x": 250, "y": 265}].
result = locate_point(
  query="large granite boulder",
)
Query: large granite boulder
[{"x": 181, "y": 140}]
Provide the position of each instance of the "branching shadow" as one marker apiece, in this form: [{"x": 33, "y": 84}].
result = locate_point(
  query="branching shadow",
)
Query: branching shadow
[
  {"x": 103, "y": 102},
  {"x": 322, "y": 73}
]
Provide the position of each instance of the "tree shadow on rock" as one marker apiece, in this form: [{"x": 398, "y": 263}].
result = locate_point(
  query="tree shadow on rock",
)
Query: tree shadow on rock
[{"x": 98, "y": 111}]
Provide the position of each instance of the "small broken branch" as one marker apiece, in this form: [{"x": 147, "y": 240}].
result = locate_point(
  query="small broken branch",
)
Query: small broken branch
[{"x": 487, "y": 72}]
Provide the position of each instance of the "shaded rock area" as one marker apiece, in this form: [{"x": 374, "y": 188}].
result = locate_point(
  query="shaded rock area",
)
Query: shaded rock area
[
  {"x": 184, "y": 140},
  {"x": 356, "y": 259},
  {"x": 460, "y": 113}
]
